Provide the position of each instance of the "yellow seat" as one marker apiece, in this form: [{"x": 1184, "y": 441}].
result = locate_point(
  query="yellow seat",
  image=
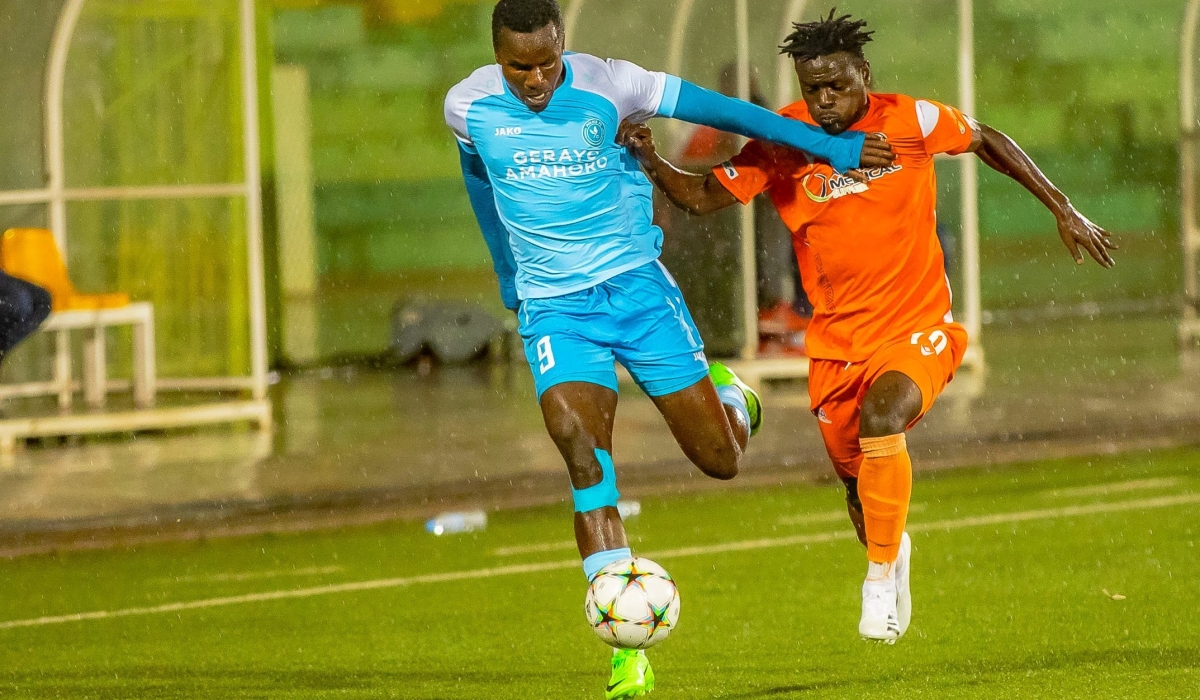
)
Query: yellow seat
[{"x": 32, "y": 255}]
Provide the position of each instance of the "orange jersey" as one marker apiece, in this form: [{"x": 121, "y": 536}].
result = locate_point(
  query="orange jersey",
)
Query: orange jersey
[{"x": 869, "y": 256}]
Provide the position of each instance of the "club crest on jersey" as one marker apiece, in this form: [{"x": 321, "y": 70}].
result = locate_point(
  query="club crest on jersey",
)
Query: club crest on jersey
[
  {"x": 821, "y": 187},
  {"x": 593, "y": 133}
]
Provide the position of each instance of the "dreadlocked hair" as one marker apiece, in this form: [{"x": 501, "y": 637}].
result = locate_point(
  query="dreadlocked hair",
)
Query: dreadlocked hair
[
  {"x": 525, "y": 16},
  {"x": 827, "y": 36}
]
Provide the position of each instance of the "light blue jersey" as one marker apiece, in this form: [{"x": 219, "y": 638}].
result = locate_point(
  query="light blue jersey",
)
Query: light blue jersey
[{"x": 577, "y": 208}]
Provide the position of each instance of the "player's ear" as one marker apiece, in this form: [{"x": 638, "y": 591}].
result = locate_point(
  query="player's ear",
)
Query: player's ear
[{"x": 865, "y": 70}]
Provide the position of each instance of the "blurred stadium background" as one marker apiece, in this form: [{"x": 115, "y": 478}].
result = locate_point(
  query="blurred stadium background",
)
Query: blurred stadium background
[
  {"x": 363, "y": 207},
  {"x": 1089, "y": 88}
]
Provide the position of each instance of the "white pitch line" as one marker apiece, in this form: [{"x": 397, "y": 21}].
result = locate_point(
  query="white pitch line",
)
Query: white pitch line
[
  {"x": 1115, "y": 487},
  {"x": 832, "y": 516},
  {"x": 294, "y": 593},
  {"x": 1052, "y": 513},
  {"x": 802, "y": 519},
  {"x": 740, "y": 546},
  {"x": 534, "y": 548},
  {"x": 251, "y": 575}
]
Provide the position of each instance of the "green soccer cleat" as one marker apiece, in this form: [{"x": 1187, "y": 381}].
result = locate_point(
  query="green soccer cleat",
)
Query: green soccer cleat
[
  {"x": 723, "y": 376},
  {"x": 631, "y": 676}
]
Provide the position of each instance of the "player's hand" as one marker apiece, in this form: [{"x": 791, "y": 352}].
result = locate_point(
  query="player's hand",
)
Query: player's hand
[
  {"x": 638, "y": 139},
  {"x": 876, "y": 152},
  {"x": 1076, "y": 232}
]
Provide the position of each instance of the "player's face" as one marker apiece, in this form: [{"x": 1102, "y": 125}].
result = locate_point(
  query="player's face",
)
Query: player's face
[
  {"x": 835, "y": 88},
  {"x": 532, "y": 64}
]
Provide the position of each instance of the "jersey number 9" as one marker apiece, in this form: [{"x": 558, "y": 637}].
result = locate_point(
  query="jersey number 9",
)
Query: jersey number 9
[{"x": 545, "y": 354}]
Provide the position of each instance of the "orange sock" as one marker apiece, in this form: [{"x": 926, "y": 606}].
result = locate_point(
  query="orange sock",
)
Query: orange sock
[{"x": 884, "y": 487}]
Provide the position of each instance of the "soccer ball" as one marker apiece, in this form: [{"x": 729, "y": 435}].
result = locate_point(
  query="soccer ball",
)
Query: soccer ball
[{"x": 632, "y": 604}]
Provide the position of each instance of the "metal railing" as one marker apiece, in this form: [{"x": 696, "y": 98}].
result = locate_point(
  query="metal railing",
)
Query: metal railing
[{"x": 56, "y": 194}]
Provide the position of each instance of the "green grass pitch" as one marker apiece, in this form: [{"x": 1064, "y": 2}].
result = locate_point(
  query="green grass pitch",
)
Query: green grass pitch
[{"x": 1010, "y": 571}]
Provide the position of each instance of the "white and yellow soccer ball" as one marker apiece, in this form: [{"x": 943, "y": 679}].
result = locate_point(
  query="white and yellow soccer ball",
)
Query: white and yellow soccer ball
[{"x": 632, "y": 604}]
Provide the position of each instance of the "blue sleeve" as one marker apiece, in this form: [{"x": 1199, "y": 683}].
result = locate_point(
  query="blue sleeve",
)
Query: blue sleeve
[
  {"x": 479, "y": 190},
  {"x": 690, "y": 103}
]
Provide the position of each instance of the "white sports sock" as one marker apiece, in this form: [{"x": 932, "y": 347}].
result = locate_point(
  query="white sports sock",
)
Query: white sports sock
[
  {"x": 732, "y": 396},
  {"x": 880, "y": 570}
]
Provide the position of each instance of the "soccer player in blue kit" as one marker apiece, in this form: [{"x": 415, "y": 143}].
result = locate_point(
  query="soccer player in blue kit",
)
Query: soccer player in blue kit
[{"x": 567, "y": 216}]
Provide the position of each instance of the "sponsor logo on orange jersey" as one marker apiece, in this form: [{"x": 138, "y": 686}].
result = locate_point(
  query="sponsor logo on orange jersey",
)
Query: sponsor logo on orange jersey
[{"x": 821, "y": 187}]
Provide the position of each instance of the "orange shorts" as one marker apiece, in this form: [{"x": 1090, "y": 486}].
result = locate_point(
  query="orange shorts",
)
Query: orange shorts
[{"x": 837, "y": 388}]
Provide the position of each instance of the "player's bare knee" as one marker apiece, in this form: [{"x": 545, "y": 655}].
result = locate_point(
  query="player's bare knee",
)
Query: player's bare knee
[
  {"x": 724, "y": 470},
  {"x": 565, "y": 430},
  {"x": 720, "y": 462},
  {"x": 889, "y": 406},
  {"x": 728, "y": 463},
  {"x": 577, "y": 445},
  {"x": 882, "y": 420}
]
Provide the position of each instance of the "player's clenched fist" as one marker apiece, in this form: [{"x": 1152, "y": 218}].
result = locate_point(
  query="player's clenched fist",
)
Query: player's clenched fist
[
  {"x": 876, "y": 152},
  {"x": 638, "y": 139}
]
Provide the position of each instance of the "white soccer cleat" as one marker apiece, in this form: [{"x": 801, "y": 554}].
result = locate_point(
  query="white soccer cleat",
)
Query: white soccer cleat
[
  {"x": 903, "y": 596},
  {"x": 879, "y": 619}
]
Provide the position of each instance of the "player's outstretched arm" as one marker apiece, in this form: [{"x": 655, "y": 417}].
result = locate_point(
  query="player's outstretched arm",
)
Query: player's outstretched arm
[
  {"x": 691, "y": 192},
  {"x": 846, "y": 151},
  {"x": 483, "y": 202},
  {"x": 1003, "y": 155}
]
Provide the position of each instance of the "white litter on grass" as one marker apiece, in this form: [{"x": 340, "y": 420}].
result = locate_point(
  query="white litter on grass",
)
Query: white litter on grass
[
  {"x": 1114, "y": 596},
  {"x": 252, "y": 575},
  {"x": 663, "y": 555},
  {"x": 629, "y": 509}
]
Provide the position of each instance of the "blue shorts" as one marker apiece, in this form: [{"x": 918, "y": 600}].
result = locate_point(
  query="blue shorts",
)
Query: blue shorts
[{"x": 637, "y": 318}]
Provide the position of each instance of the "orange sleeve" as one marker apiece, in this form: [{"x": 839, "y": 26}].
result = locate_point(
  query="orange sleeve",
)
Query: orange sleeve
[
  {"x": 946, "y": 130},
  {"x": 748, "y": 174}
]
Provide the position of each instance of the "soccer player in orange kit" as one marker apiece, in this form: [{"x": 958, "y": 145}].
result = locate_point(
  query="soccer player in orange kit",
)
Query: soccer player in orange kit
[{"x": 883, "y": 343}]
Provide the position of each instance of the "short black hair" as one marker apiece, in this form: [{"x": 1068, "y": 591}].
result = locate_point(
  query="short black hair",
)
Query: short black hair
[
  {"x": 524, "y": 16},
  {"x": 827, "y": 36}
]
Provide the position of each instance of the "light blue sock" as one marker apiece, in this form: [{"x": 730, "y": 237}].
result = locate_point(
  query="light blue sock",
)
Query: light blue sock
[
  {"x": 731, "y": 395},
  {"x": 599, "y": 560}
]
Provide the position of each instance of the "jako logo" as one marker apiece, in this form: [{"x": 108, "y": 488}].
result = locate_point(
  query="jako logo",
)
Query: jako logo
[{"x": 508, "y": 131}]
